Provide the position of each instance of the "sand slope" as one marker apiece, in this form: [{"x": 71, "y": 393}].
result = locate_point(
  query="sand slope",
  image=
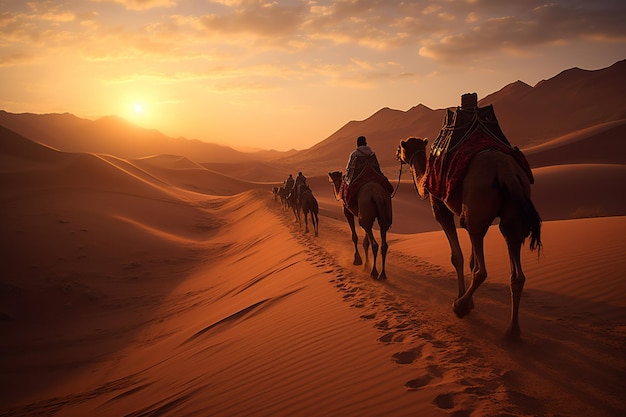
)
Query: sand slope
[{"x": 130, "y": 289}]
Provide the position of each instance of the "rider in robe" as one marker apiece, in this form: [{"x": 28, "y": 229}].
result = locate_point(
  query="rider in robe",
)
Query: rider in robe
[
  {"x": 300, "y": 184},
  {"x": 289, "y": 184},
  {"x": 361, "y": 157},
  {"x": 356, "y": 176}
]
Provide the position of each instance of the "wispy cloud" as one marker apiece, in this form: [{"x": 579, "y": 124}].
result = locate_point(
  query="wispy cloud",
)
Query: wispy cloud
[
  {"x": 140, "y": 4},
  {"x": 440, "y": 30},
  {"x": 284, "y": 49},
  {"x": 497, "y": 31}
]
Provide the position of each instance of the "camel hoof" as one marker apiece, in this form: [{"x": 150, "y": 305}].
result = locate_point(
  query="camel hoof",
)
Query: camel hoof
[
  {"x": 357, "y": 260},
  {"x": 460, "y": 308},
  {"x": 513, "y": 334},
  {"x": 382, "y": 277}
]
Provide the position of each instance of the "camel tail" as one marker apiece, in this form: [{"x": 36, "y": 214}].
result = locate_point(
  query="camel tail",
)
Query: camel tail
[
  {"x": 535, "y": 225},
  {"x": 382, "y": 201},
  {"x": 514, "y": 186}
]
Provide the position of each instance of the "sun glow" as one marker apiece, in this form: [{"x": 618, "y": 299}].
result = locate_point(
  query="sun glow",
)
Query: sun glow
[{"x": 137, "y": 112}]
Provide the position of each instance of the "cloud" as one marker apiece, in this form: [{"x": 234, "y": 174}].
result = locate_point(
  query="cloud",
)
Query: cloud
[
  {"x": 247, "y": 33},
  {"x": 140, "y": 4},
  {"x": 257, "y": 18},
  {"x": 15, "y": 59},
  {"x": 545, "y": 24}
]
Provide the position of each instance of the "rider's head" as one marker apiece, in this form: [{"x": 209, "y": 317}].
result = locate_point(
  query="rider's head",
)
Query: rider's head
[{"x": 361, "y": 141}]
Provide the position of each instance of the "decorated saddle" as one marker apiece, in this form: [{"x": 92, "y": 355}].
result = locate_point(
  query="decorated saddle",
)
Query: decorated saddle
[
  {"x": 466, "y": 132},
  {"x": 349, "y": 193}
]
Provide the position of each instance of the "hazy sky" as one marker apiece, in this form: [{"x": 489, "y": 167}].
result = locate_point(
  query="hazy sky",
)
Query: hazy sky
[{"x": 288, "y": 73}]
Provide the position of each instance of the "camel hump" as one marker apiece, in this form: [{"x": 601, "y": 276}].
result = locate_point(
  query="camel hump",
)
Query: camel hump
[
  {"x": 368, "y": 175},
  {"x": 466, "y": 131},
  {"x": 460, "y": 124}
]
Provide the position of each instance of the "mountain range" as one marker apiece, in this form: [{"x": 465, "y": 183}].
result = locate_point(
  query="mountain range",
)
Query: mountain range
[{"x": 577, "y": 107}]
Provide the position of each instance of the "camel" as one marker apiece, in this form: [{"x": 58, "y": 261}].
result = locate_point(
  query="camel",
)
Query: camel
[
  {"x": 292, "y": 201},
  {"x": 282, "y": 194},
  {"x": 308, "y": 204},
  {"x": 374, "y": 203},
  {"x": 494, "y": 185}
]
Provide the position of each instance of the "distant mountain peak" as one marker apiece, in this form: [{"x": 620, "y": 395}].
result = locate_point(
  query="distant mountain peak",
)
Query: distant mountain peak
[
  {"x": 516, "y": 87},
  {"x": 419, "y": 107}
]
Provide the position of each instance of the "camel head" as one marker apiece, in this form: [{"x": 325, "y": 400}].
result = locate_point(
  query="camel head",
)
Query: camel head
[
  {"x": 412, "y": 151},
  {"x": 335, "y": 179}
]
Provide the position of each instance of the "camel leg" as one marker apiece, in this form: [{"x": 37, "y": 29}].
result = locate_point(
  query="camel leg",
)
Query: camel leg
[
  {"x": 306, "y": 222},
  {"x": 296, "y": 213},
  {"x": 464, "y": 304},
  {"x": 355, "y": 238},
  {"x": 315, "y": 223},
  {"x": 366, "y": 247},
  {"x": 446, "y": 219},
  {"x": 517, "y": 285},
  {"x": 383, "y": 253},
  {"x": 370, "y": 237}
]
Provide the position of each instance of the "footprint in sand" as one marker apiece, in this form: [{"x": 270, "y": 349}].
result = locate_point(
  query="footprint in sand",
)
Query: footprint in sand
[
  {"x": 432, "y": 372},
  {"x": 419, "y": 382},
  {"x": 445, "y": 401},
  {"x": 407, "y": 356},
  {"x": 393, "y": 337},
  {"x": 435, "y": 371},
  {"x": 387, "y": 338}
]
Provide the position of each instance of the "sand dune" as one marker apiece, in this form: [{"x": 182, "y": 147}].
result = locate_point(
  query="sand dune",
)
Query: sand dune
[
  {"x": 600, "y": 144},
  {"x": 158, "y": 287},
  {"x": 581, "y": 190}
]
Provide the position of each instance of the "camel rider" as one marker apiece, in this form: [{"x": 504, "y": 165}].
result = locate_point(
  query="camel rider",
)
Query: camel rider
[
  {"x": 300, "y": 183},
  {"x": 362, "y": 156},
  {"x": 289, "y": 184}
]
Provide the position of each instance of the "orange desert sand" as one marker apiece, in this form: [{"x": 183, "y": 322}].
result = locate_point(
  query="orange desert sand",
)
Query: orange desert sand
[{"x": 156, "y": 287}]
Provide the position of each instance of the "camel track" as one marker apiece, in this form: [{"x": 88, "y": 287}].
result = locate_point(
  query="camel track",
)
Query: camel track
[
  {"x": 427, "y": 335},
  {"x": 484, "y": 373}
]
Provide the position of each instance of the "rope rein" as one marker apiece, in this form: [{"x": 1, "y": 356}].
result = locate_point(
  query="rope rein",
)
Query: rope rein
[
  {"x": 398, "y": 184},
  {"x": 395, "y": 191},
  {"x": 332, "y": 187}
]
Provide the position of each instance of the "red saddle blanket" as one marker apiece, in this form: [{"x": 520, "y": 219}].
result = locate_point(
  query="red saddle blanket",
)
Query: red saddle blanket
[
  {"x": 445, "y": 173},
  {"x": 350, "y": 192}
]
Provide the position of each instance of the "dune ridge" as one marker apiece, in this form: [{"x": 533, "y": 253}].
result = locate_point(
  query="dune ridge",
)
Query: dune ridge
[{"x": 155, "y": 286}]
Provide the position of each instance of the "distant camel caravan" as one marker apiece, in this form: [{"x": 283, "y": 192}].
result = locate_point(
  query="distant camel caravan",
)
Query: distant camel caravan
[
  {"x": 473, "y": 172},
  {"x": 306, "y": 202},
  {"x": 374, "y": 203}
]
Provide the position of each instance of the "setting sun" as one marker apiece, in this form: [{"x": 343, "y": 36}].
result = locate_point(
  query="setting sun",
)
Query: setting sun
[{"x": 137, "y": 112}]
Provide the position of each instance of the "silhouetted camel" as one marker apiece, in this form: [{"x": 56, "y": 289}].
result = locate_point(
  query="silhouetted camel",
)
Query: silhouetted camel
[
  {"x": 494, "y": 185},
  {"x": 308, "y": 204},
  {"x": 292, "y": 201},
  {"x": 374, "y": 203},
  {"x": 282, "y": 193}
]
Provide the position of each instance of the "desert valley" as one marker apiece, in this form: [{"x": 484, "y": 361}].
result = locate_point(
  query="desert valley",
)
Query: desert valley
[{"x": 144, "y": 275}]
